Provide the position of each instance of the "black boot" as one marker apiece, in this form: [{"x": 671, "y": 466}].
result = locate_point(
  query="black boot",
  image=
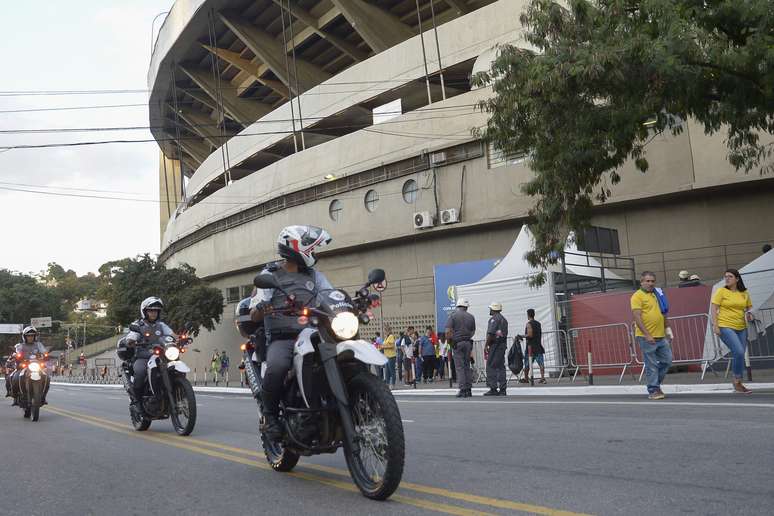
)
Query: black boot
[
  {"x": 463, "y": 393},
  {"x": 271, "y": 427},
  {"x": 491, "y": 392},
  {"x": 502, "y": 392},
  {"x": 468, "y": 393}
]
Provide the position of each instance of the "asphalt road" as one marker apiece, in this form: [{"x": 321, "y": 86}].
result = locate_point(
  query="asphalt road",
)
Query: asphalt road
[{"x": 700, "y": 454}]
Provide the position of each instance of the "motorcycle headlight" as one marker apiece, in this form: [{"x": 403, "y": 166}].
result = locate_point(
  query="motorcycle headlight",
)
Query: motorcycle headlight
[
  {"x": 34, "y": 367},
  {"x": 172, "y": 353},
  {"x": 345, "y": 325}
]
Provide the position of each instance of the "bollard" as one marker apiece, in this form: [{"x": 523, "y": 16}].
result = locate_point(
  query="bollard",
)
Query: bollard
[
  {"x": 591, "y": 370},
  {"x": 747, "y": 364}
]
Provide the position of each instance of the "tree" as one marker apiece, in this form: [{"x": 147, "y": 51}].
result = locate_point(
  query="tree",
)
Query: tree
[
  {"x": 187, "y": 299},
  {"x": 604, "y": 76},
  {"x": 22, "y": 297}
]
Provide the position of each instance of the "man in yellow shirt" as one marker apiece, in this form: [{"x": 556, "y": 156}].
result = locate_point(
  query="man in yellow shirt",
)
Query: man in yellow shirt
[
  {"x": 388, "y": 348},
  {"x": 650, "y": 329}
]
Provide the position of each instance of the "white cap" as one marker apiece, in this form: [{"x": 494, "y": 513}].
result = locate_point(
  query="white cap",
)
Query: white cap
[
  {"x": 497, "y": 307},
  {"x": 683, "y": 275},
  {"x": 462, "y": 302},
  {"x": 695, "y": 277}
]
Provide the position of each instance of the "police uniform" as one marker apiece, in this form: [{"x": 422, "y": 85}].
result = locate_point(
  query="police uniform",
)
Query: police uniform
[
  {"x": 154, "y": 331},
  {"x": 462, "y": 326},
  {"x": 36, "y": 348},
  {"x": 497, "y": 335},
  {"x": 283, "y": 329}
]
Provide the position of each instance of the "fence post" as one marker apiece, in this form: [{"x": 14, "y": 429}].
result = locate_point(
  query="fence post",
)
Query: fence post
[
  {"x": 591, "y": 369},
  {"x": 747, "y": 364}
]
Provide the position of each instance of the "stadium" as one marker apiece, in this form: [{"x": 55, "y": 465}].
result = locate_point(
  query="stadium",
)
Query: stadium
[{"x": 356, "y": 115}]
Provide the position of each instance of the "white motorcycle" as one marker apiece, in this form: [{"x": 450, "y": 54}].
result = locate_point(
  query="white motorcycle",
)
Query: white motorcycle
[{"x": 331, "y": 400}]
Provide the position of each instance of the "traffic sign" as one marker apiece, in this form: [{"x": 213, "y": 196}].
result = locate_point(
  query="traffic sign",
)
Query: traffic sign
[
  {"x": 41, "y": 322},
  {"x": 11, "y": 328}
]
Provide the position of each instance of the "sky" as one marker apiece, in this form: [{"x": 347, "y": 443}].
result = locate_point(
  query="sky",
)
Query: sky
[{"x": 90, "y": 45}]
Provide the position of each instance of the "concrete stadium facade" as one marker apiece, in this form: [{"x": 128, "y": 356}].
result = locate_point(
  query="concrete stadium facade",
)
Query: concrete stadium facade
[{"x": 335, "y": 113}]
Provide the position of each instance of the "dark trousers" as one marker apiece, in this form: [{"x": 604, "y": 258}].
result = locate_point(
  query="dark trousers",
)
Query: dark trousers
[
  {"x": 140, "y": 373},
  {"x": 495, "y": 366},
  {"x": 279, "y": 359},
  {"x": 428, "y": 366}
]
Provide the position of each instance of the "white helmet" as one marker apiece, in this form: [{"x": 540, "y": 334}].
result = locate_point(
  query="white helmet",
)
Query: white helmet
[
  {"x": 497, "y": 307},
  {"x": 298, "y": 244},
  {"x": 683, "y": 275},
  {"x": 29, "y": 330},
  {"x": 149, "y": 303},
  {"x": 462, "y": 302}
]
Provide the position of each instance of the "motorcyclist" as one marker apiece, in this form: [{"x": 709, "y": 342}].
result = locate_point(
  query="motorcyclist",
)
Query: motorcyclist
[
  {"x": 28, "y": 346},
  {"x": 10, "y": 367},
  {"x": 135, "y": 346},
  {"x": 296, "y": 245}
]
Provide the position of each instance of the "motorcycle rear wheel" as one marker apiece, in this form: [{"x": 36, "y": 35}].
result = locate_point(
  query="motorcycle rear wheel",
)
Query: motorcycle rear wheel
[
  {"x": 378, "y": 468},
  {"x": 185, "y": 406}
]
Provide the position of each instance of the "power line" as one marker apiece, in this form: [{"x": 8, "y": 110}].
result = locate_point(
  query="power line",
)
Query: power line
[{"x": 73, "y": 108}]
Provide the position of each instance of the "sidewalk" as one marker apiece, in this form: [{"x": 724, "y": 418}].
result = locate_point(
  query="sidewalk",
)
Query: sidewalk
[{"x": 677, "y": 383}]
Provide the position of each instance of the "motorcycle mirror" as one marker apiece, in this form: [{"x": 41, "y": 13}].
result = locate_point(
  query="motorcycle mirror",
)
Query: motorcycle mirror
[
  {"x": 376, "y": 276},
  {"x": 265, "y": 281}
]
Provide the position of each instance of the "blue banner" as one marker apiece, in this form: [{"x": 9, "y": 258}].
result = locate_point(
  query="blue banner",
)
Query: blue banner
[{"x": 447, "y": 277}]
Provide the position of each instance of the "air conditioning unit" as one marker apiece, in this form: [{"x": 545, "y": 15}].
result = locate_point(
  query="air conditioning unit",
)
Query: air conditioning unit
[
  {"x": 437, "y": 158},
  {"x": 423, "y": 220},
  {"x": 450, "y": 216}
]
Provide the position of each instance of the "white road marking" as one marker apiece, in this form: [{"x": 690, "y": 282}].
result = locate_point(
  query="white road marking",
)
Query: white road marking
[{"x": 568, "y": 402}]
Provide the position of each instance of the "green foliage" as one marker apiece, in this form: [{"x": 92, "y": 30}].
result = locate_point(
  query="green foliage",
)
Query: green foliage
[
  {"x": 125, "y": 283},
  {"x": 603, "y": 77},
  {"x": 22, "y": 297}
]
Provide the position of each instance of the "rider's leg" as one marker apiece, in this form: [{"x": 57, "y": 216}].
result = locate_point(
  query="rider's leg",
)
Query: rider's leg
[{"x": 279, "y": 357}]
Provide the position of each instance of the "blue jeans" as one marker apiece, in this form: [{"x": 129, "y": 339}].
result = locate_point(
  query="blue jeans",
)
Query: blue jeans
[
  {"x": 736, "y": 342},
  {"x": 390, "y": 371},
  {"x": 658, "y": 359}
]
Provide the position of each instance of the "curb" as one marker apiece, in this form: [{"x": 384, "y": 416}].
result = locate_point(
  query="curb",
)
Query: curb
[{"x": 599, "y": 390}]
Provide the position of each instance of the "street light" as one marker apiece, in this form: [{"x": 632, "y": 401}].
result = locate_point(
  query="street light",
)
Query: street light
[{"x": 153, "y": 24}]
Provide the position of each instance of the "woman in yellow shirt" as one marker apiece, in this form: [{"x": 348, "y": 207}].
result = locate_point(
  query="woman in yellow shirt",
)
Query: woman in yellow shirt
[{"x": 730, "y": 312}]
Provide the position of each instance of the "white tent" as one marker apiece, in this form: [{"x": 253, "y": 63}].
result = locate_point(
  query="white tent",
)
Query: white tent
[
  {"x": 508, "y": 283},
  {"x": 758, "y": 277}
]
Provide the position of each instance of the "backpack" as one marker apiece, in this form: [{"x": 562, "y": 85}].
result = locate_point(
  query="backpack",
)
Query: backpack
[{"x": 515, "y": 357}]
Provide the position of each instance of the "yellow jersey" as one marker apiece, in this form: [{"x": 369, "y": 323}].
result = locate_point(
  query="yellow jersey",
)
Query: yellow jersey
[
  {"x": 732, "y": 305},
  {"x": 652, "y": 317}
]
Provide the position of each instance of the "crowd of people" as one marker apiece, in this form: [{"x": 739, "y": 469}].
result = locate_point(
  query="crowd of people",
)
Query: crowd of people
[{"x": 411, "y": 357}]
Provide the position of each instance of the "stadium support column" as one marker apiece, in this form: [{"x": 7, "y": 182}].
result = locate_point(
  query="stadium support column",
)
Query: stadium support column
[
  {"x": 169, "y": 190},
  {"x": 378, "y": 28}
]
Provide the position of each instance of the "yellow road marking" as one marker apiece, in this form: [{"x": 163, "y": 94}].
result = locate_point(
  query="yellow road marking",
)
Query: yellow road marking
[
  {"x": 347, "y": 486},
  {"x": 419, "y": 488}
]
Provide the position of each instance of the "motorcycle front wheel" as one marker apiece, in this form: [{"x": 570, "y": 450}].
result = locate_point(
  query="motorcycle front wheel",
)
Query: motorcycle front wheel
[
  {"x": 378, "y": 468},
  {"x": 37, "y": 398},
  {"x": 183, "y": 414}
]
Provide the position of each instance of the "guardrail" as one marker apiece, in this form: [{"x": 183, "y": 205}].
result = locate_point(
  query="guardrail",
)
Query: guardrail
[{"x": 760, "y": 335}]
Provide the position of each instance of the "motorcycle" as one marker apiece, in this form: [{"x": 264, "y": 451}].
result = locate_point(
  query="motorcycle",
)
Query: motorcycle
[
  {"x": 331, "y": 400},
  {"x": 33, "y": 380},
  {"x": 169, "y": 394}
]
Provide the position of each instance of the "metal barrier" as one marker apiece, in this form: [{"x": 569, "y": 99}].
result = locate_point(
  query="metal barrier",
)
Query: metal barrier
[
  {"x": 760, "y": 335},
  {"x": 609, "y": 345}
]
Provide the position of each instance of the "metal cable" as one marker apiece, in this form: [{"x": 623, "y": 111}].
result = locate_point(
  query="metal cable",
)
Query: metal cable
[{"x": 287, "y": 71}]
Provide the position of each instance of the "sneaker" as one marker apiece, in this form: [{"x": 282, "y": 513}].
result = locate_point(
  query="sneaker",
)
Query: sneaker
[
  {"x": 656, "y": 395},
  {"x": 740, "y": 388},
  {"x": 523, "y": 380},
  {"x": 662, "y": 393}
]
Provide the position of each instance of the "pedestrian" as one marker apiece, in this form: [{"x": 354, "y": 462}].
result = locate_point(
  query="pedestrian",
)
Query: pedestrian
[
  {"x": 224, "y": 365},
  {"x": 388, "y": 348},
  {"x": 215, "y": 366},
  {"x": 443, "y": 358},
  {"x": 378, "y": 341},
  {"x": 428, "y": 356},
  {"x": 496, "y": 342},
  {"x": 408, "y": 360},
  {"x": 417, "y": 356},
  {"x": 534, "y": 337},
  {"x": 650, "y": 332},
  {"x": 460, "y": 328},
  {"x": 731, "y": 310},
  {"x": 399, "y": 355}
]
